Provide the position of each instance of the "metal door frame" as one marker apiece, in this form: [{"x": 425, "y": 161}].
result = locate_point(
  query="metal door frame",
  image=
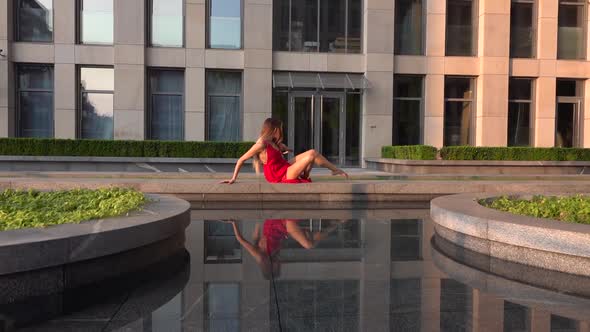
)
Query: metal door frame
[
  {"x": 577, "y": 103},
  {"x": 317, "y": 98}
]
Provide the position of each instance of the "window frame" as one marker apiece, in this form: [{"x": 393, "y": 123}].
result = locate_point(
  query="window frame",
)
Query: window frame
[
  {"x": 530, "y": 102},
  {"x": 578, "y": 100},
  {"x": 149, "y": 102},
  {"x": 79, "y": 98},
  {"x": 423, "y": 34},
  {"x": 584, "y": 5},
  {"x": 149, "y": 26},
  {"x": 16, "y": 35},
  {"x": 421, "y": 100},
  {"x": 78, "y": 7},
  {"x": 18, "y": 90},
  {"x": 472, "y": 100},
  {"x": 208, "y": 8},
  {"x": 208, "y": 101},
  {"x": 318, "y": 24},
  {"x": 475, "y": 29},
  {"x": 534, "y": 26}
]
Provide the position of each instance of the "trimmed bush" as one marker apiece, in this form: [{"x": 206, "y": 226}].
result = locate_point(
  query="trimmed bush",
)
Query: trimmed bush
[
  {"x": 514, "y": 153},
  {"x": 410, "y": 152},
  {"x": 115, "y": 148}
]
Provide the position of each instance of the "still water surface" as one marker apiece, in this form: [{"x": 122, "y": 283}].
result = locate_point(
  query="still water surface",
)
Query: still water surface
[{"x": 330, "y": 270}]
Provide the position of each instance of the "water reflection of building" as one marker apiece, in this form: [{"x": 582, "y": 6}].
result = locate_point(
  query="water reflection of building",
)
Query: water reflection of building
[{"x": 374, "y": 274}]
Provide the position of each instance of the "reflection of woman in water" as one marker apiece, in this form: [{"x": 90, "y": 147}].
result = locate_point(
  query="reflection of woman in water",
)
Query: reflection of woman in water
[{"x": 266, "y": 248}]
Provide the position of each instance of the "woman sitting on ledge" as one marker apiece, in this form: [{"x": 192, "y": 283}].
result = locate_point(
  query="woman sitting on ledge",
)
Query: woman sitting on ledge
[{"x": 269, "y": 150}]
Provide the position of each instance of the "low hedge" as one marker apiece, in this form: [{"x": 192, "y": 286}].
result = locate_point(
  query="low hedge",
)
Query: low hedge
[
  {"x": 514, "y": 153},
  {"x": 116, "y": 148},
  {"x": 411, "y": 152}
]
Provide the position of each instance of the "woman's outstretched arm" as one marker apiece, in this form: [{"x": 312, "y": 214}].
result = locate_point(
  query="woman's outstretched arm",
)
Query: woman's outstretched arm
[
  {"x": 254, "y": 150},
  {"x": 250, "y": 248}
]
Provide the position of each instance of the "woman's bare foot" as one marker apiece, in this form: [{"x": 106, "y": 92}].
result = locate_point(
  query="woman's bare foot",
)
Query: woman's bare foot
[{"x": 340, "y": 172}]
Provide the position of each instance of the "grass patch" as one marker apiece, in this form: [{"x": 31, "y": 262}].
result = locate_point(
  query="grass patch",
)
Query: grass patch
[
  {"x": 574, "y": 209},
  {"x": 29, "y": 209}
]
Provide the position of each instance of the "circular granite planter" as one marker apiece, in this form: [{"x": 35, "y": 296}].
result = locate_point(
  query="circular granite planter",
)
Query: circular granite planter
[
  {"x": 548, "y": 244},
  {"x": 41, "y": 248}
]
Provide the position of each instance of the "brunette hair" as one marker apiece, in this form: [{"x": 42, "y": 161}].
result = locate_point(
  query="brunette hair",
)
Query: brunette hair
[{"x": 270, "y": 128}]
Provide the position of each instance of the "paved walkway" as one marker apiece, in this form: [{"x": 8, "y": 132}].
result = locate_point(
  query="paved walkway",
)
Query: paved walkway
[{"x": 364, "y": 185}]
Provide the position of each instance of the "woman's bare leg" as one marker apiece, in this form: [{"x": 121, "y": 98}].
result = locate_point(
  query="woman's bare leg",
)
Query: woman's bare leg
[{"x": 310, "y": 158}]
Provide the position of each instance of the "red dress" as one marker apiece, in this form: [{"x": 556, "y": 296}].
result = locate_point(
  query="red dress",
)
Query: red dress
[
  {"x": 275, "y": 169},
  {"x": 274, "y": 231}
]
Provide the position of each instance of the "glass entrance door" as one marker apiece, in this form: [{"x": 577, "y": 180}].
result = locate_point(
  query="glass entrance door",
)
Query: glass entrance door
[
  {"x": 567, "y": 124},
  {"x": 318, "y": 119}
]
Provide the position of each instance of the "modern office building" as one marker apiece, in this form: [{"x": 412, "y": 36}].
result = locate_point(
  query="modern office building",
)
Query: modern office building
[{"x": 346, "y": 76}]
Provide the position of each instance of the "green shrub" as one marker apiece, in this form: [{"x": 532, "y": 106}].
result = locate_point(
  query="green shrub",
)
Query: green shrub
[
  {"x": 411, "y": 152},
  {"x": 116, "y": 148},
  {"x": 570, "y": 208},
  {"x": 27, "y": 209},
  {"x": 514, "y": 153}
]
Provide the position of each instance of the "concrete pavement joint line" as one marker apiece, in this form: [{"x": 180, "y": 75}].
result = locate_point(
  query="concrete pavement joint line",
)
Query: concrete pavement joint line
[
  {"x": 148, "y": 166},
  {"x": 210, "y": 169},
  {"x": 543, "y": 243}
]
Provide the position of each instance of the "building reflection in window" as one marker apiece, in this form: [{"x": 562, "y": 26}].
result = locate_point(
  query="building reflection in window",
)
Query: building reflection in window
[
  {"x": 221, "y": 245},
  {"x": 406, "y": 240},
  {"x": 317, "y": 305},
  {"x": 456, "y": 306},
  {"x": 222, "y": 307},
  {"x": 167, "y": 318},
  {"x": 405, "y": 305}
]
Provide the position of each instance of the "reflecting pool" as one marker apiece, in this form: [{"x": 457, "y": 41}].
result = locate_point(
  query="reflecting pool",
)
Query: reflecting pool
[{"x": 324, "y": 270}]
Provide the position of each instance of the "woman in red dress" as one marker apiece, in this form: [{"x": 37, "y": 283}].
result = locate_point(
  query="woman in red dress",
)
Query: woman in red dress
[{"x": 269, "y": 150}]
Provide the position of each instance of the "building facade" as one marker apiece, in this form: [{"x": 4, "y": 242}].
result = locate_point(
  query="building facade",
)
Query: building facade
[{"x": 346, "y": 76}]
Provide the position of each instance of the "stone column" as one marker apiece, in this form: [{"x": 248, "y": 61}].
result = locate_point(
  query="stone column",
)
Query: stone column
[
  {"x": 377, "y": 118},
  {"x": 257, "y": 77},
  {"x": 194, "y": 75},
  {"x": 491, "y": 124},
  {"x": 6, "y": 87},
  {"x": 194, "y": 291},
  {"x": 64, "y": 35},
  {"x": 435, "y": 80},
  {"x": 545, "y": 102},
  {"x": 129, "y": 99},
  {"x": 540, "y": 320},
  {"x": 488, "y": 312}
]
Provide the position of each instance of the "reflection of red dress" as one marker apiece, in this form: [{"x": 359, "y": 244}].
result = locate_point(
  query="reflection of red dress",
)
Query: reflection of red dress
[
  {"x": 274, "y": 231},
  {"x": 275, "y": 169}
]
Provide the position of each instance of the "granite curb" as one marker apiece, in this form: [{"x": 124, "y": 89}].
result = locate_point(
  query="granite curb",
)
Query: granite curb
[{"x": 543, "y": 243}]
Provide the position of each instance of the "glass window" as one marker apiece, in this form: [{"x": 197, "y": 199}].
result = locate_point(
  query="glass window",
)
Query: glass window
[
  {"x": 221, "y": 245},
  {"x": 406, "y": 305},
  {"x": 167, "y": 23},
  {"x": 222, "y": 306},
  {"x": 522, "y": 29},
  {"x": 280, "y": 110},
  {"x": 456, "y": 306},
  {"x": 406, "y": 240},
  {"x": 568, "y": 112},
  {"x": 516, "y": 317},
  {"x": 519, "y": 111},
  {"x": 458, "y": 115},
  {"x": 96, "y": 103},
  {"x": 461, "y": 39},
  {"x": 224, "y": 111},
  {"x": 409, "y": 27},
  {"x": 571, "y": 33},
  {"x": 563, "y": 324},
  {"x": 35, "y": 20},
  {"x": 317, "y": 26},
  {"x": 35, "y": 101},
  {"x": 353, "y": 130},
  {"x": 96, "y": 22},
  {"x": 166, "y": 113},
  {"x": 225, "y": 24},
  {"x": 407, "y": 110}
]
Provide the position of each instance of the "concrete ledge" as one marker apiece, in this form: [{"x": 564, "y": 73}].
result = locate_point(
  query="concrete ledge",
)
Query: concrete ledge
[
  {"x": 555, "y": 292},
  {"x": 39, "y": 248},
  {"x": 542, "y": 243},
  {"x": 479, "y": 167}
]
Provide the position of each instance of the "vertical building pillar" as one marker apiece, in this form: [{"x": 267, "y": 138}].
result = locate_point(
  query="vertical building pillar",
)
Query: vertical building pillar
[
  {"x": 491, "y": 124},
  {"x": 257, "y": 77},
  {"x": 488, "y": 312},
  {"x": 545, "y": 101},
  {"x": 540, "y": 320},
  {"x": 434, "y": 85},
  {"x": 194, "y": 292},
  {"x": 64, "y": 35},
  {"x": 129, "y": 98},
  {"x": 377, "y": 118},
  {"x": 7, "y": 122},
  {"x": 194, "y": 75}
]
